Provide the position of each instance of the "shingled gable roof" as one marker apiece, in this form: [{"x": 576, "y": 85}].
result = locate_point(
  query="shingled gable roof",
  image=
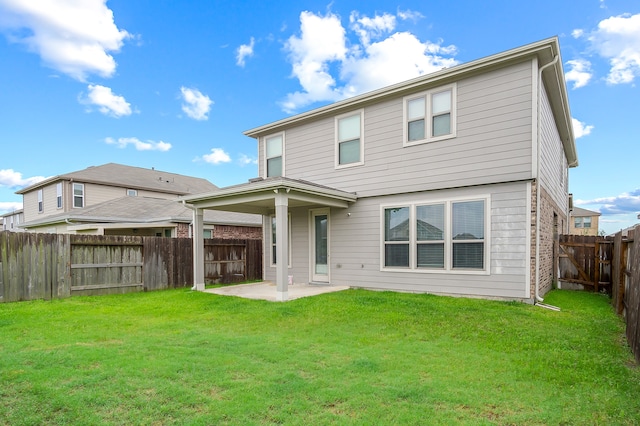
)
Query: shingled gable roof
[
  {"x": 577, "y": 211},
  {"x": 545, "y": 52},
  {"x": 145, "y": 210},
  {"x": 134, "y": 178}
]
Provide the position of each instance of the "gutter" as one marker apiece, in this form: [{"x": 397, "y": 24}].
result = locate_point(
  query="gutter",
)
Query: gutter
[{"x": 539, "y": 299}]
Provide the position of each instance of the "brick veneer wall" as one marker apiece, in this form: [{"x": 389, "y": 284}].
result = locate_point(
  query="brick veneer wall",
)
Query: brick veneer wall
[
  {"x": 225, "y": 231},
  {"x": 240, "y": 232},
  {"x": 182, "y": 231},
  {"x": 549, "y": 231}
]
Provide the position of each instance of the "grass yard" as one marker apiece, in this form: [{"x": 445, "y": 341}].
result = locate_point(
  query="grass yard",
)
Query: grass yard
[{"x": 353, "y": 357}]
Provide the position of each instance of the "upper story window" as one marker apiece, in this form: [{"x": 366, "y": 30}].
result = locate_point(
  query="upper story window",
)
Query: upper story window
[
  {"x": 40, "y": 201},
  {"x": 582, "y": 222},
  {"x": 59, "y": 195},
  {"x": 132, "y": 192},
  {"x": 430, "y": 116},
  {"x": 349, "y": 140},
  {"x": 78, "y": 195},
  {"x": 274, "y": 155}
]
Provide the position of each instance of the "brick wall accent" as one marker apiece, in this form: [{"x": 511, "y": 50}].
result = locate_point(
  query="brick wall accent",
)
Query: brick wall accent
[
  {"x": 238, "y": 232},
  {"x": 182, "y": 231},
  {"x": 552, "y": 223}
]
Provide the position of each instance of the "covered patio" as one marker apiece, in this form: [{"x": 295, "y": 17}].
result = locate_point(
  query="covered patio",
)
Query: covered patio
[{"x": 267, "y": 197}]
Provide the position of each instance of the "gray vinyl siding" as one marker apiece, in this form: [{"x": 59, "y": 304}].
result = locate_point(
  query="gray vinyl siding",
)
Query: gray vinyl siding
[
  {"x": 553, "y": 162},
  {"x": 355, "y": 242},
  {"x": 493, "y": 143}
]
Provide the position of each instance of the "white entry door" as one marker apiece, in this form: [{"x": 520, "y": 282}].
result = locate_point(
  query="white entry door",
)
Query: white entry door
[{"x": 320, "y": 245}]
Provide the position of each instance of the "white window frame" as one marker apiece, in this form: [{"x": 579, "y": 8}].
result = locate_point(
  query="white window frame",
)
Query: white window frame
[
  {"x": 82, "y": 197},
  {"x": 40, "y": 201},
  {"x": 448, "y": 239},
  {"x": 266, "y": 158},
  {"x": 59, "y": 198},
  {"x": 427, "y": 96},
  {"x": 272, "y": 246},
  {"x": 337, "y": 119},
  {"x": 132, "y": 192}
]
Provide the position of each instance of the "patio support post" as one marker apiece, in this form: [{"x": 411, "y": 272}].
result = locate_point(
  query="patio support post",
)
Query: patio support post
[
  {"x": 282, "y": 245},
  {"x": 198, "y": 249}
]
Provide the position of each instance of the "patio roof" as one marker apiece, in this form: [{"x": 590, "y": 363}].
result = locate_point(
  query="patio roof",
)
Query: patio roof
[{"x": 258, "y": 196}]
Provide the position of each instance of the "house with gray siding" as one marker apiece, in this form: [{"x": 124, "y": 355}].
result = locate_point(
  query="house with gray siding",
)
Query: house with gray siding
[
  {"x": 453, "y": 183},
  {"x": 116, "y": 199}
]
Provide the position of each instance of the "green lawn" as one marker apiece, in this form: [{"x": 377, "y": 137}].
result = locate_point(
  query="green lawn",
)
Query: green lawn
[{"x": 353, "y": 357}]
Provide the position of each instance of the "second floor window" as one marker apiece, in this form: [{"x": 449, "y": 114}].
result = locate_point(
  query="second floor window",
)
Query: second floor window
[
  {"x": 78, "y": 195},
  {"x": 349, "y": 144},
  {"x": 274, "y": 159},
  {"x": 430, "y": 115},
  {"x": 582, "y": 222},
  {"x": 40, "y": 201},
  {"x": 59, "y": 195}
]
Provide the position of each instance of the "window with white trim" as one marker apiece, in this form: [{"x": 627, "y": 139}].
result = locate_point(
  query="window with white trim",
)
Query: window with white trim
[
  {"x": 273, "y": 241},
  {"x": 59, "y": 195},
  {"x": 274, "y": 155},
  {"x": 430, "y": 116},
  {"x": 132, "y": 192},
  {"x": 349, "y": 140},
  {"x": 445, "y": 236},
  {"x": 582, "y": 221},
  {"x": 40, "y": 201},
  {"x": 78, "y": 195}
]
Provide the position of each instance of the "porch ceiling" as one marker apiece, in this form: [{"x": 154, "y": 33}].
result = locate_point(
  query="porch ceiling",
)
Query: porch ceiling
[{"x": 258, "y": 197}]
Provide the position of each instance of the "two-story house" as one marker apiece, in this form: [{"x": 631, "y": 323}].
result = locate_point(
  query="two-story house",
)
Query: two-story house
[
  {"x": 115, "y": 199},
  {"x": 583, "y": 222},
  {"x": 455, "y": 183},
  {"x": 12, "y": 221}
]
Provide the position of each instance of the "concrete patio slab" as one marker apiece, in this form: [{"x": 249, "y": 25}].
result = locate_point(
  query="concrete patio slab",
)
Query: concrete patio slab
[{"x": 267, "y": 290}]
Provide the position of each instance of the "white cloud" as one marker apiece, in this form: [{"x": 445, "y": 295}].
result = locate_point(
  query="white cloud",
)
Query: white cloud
[
  {"x": 107, "y": 102},
  {"x": 245, "y": 160},
  {"x": 330, "y": 67},
  {"x": 196, "y": 105},
  {"x": 580, "y": 72},
  {"x": 9, "y": 206},
  {"x": 580, "y": 129},
  {"x": 624, "y": 203},
  {"x": 217, "y": 156},
  {"x": 138, "y": 144},
  {"x": 244, "y": 51},
  {"x": 618, "y": 39},
  {"x": 368, "y": 28},
  {"x": 73, "y": 37},
  {"x": 410, "y": 15},
  {"x": 9, "y": 178}
]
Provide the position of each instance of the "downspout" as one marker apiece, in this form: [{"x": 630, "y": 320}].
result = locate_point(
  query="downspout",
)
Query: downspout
[{"x": 538, "y": 186}]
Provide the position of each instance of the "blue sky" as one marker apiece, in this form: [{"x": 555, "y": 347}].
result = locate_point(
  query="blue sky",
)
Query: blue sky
[{"x": 173, "y": 85}]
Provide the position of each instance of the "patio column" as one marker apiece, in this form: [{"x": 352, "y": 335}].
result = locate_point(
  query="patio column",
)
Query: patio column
[
  {"x": 198, "y": 249},
  {"x": 282, "y": 245}
]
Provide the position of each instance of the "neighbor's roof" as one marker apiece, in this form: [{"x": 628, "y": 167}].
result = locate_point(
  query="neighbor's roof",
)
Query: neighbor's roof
[
  {"x": 545, "y": 51},
  {"x": 145, "y": 210},
  {"x": 577, "y": 211},
  {"x": 133, "y": 178}
]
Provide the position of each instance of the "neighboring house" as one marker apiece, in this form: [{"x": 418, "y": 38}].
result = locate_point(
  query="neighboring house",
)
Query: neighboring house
[
  {"x": 12, "y": 221},
  {"x": 114, "y": 199},
  {"x": 146, "y": 216},
  {"x": 583, "y": 222},
  {"x": 453, "y": 183}
]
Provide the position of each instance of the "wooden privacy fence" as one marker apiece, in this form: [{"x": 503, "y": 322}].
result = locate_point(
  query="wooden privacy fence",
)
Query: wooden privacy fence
[
  {"x": 626, "y": 285},
  {"x": 50, "y": 266},
  {"x": 586, "y": 260}
]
